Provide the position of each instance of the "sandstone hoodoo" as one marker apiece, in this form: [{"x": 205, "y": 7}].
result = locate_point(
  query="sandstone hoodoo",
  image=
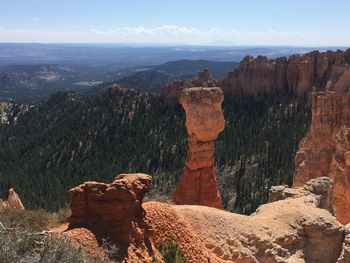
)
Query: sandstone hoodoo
[
  {"x": 13, "y": 201},
  {"x": 204, "y": 121},
  {"x": 112, "y": 210},
  {"x": 170, "y": 92},
  {"x": 325, "y": 150}
]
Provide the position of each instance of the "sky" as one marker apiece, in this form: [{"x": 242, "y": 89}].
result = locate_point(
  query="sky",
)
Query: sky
[{"x": 203, "y": 22}]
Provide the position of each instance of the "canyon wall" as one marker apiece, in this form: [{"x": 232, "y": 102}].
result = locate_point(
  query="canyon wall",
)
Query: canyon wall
[
  {"x": 325, "y": 150},
  {"x": 204, "y": 121},
  {"x": 297, "y": 75}
]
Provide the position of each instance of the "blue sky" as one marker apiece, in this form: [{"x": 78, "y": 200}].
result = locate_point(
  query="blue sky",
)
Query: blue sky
[{"x": 240, "y": 22}]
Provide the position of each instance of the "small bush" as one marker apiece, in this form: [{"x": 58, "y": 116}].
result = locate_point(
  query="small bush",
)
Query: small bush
[
  {"x": 61, "y": 216},
  {"x": 24, "y": 247},
  {"x": 32, "y": 221},
  {"x": 172, "y": 253}
]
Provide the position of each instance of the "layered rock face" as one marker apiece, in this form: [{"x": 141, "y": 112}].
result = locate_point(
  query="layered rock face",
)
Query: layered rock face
[
  {"x": 298, "y": 75},
  {"x": 325, "y": 150},
  {"x": 13, "y": 201},
  {"x": 204, "y": 121},
  {"x": 112, "y": 210}
]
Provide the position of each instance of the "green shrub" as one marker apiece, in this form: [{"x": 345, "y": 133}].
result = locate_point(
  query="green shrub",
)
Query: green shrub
[
  {"x": 60, "y": 217},
  {"x": 172, "y": 253},
  {"x": 25, "y": 247},
  {"x": 31, "y": 221}
]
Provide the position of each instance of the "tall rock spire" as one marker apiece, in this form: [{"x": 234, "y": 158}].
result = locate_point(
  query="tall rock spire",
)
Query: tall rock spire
[{"x": 204, "y": 122}]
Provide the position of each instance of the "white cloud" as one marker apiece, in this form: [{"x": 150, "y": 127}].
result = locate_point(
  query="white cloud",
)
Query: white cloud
[
  {"x": 165, "y": 30},
  {"x": 174, "y": 34}
]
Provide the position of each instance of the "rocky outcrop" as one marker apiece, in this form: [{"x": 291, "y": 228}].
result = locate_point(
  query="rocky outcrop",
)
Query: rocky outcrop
[
  {"x": 112, "y": 210},
  {"x": 296, "y": 226},
  {"x": 298, "y": 74},
  {"x": 204, "y": 121},
  {"x": 325, "y": 150},
  {"x": 293, "y": 229},
  {"x": 169, "y": 93},
  {"x": 317, "y": 192},
  {"x": 345, "y": 254},
  {"x": 13, "y": 201}
]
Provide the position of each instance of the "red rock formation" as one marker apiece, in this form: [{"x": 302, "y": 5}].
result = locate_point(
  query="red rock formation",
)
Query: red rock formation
[
  {"x": 296, "y": 75},
  {"x": 112, "y": 210},
  {"x": 13, "y": 201},
  {"x": 325, "y": 150},
  {"x": 204, "y": 121},
  {"x": 169, "y": 93},
  {"x": 294, "y": 227}
]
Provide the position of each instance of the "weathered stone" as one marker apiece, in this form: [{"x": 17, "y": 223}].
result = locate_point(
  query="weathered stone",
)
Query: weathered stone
[
  {"x": 324, "y": 150},
  {"x": 294, "y": 228},
  {"x": 204, "y": 121},
  {"x": 170, "y": 93},
  {"x": 321, "y": 189},
  {"x": 291, "y": 230},
  {"x": 112, "y": 210},
  {"x": 345, "y": 254},
  {"x": 299, "y": 75}
]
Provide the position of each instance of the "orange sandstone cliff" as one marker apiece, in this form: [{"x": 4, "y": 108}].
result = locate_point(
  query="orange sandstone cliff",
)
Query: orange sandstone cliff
[
  {"x": 204, "y": 121},
  {"x": 296, "y": 75},
  {"x": 325, "y": 150},
  {"x": 296, "y": 226}
]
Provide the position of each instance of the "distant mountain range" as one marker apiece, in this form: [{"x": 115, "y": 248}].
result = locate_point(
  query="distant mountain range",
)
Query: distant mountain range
[
  {"x": 154, "y": 78},
  {"x": 30, "y": 82},
  {"x": 117, "y": 56},
  {"x": 34, "y": 71}
]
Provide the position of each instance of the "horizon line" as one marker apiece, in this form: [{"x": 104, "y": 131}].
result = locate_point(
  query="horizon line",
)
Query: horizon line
[{"x": 179, "y": 44}]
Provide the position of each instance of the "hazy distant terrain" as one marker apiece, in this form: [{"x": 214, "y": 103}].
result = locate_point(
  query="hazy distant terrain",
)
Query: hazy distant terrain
[
  {"x": 34, "y": 71},
  {"x": 155, "y": 77},
  {"x": 117, "y": 56}
]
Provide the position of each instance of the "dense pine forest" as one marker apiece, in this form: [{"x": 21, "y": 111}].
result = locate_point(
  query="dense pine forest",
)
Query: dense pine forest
[{"x": 72, "y": 138}]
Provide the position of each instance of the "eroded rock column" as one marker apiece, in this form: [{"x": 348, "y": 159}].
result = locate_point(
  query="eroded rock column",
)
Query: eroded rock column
[
  {"x": 204, "y": 122},
  {"x": 113, "y": 210},
  {"x": 325, "y": 150}
]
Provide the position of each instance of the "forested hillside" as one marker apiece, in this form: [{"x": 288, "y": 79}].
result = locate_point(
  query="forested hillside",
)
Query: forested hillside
[
  {"x": 72, "y": 138},
  {"x": 148, "y": 80}
]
